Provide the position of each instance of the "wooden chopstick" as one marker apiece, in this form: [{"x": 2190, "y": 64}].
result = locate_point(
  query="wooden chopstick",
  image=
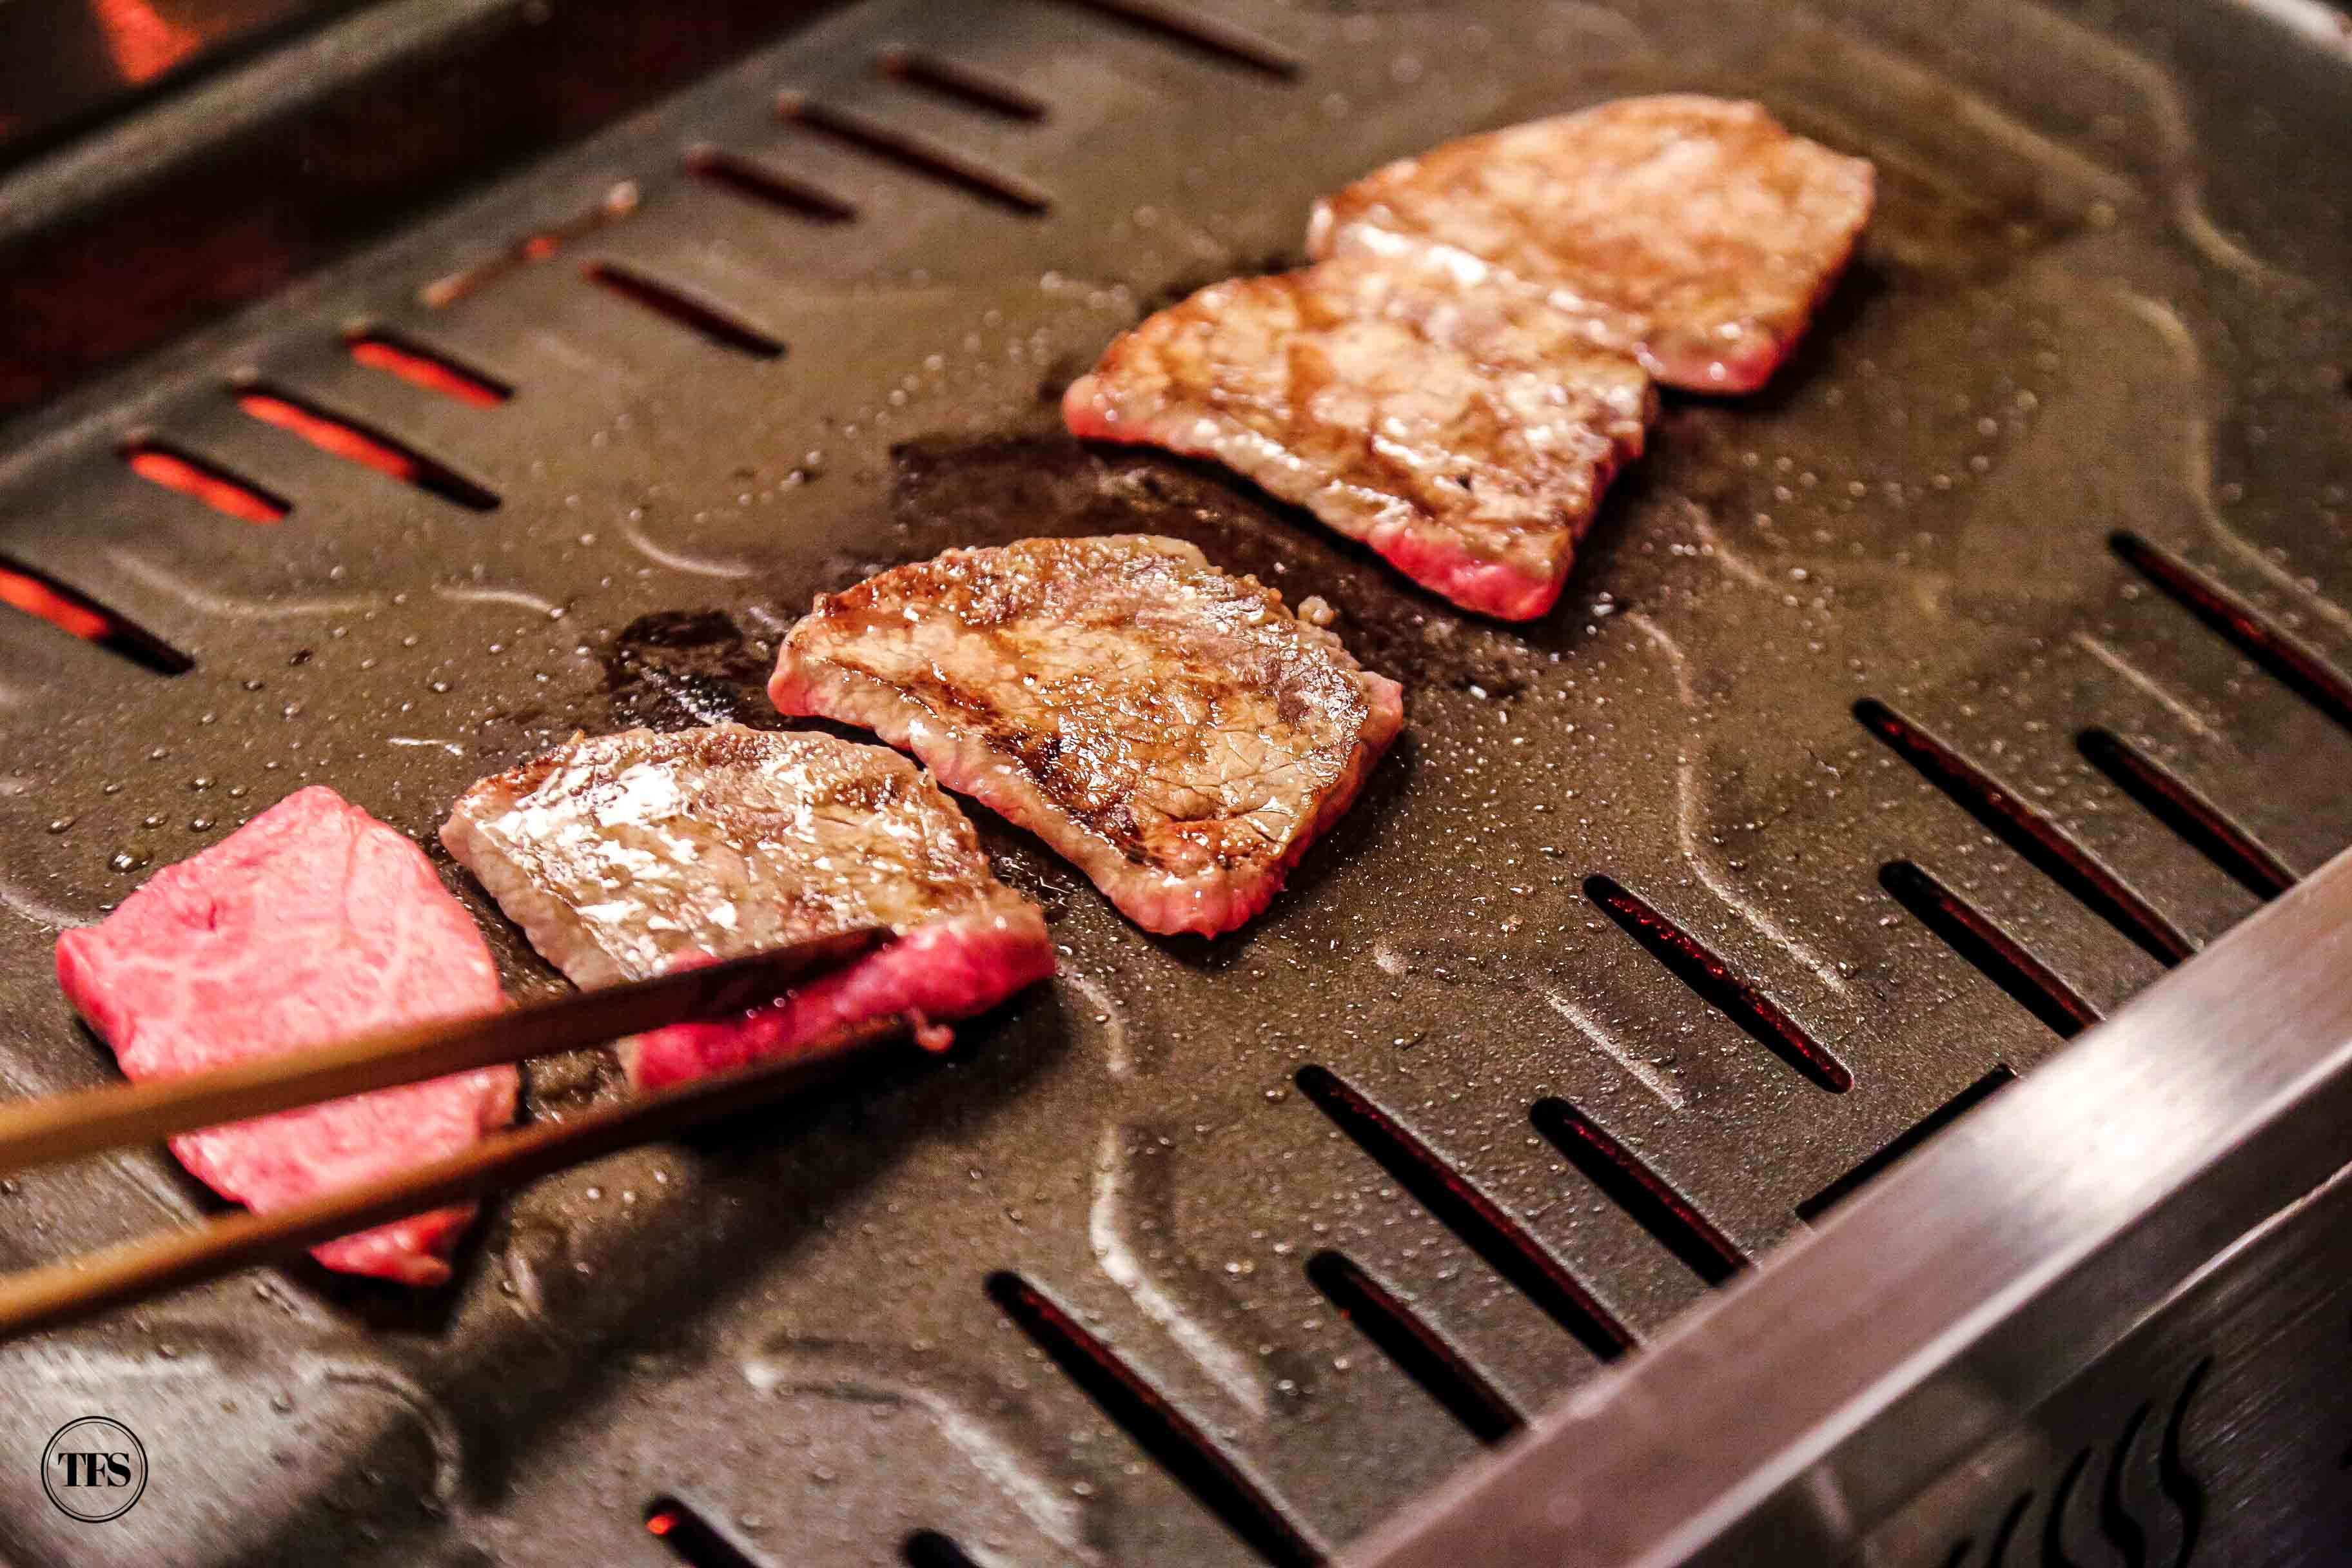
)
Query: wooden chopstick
[
  {"x": 36, "y": 1132},
  {"x": 62, "y": 1292}
]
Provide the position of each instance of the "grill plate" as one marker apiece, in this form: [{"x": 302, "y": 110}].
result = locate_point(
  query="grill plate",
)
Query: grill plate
[{"x": 786, "y": 1325}]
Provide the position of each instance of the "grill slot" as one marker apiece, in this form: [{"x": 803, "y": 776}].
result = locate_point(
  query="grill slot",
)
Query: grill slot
[
  {"x": 1417, "y": 1349},
  {"x": 1998, "y": 1557},
  {"x": 177, "y": 469},
  {"x": 917, "y": 156},
  {"x": 1951, "y": 1110},
  {"x": 414, "y": 363},
  {"x": 2198, "y": 822},
  {"x": 1164, "y": 1432},
  {"x": 958, "y": 84},
  {"x": 762, "y": 184},
  {"x": 364, "y": 445},
  {"x": 39, "y": 594},
  {"x": 692, "y": 1539},
  {"x": 529, "y": 250},
  {"x": 1990, "y": 951},
  {"x": 1477, "y": 1219},
  {"x": 1696, "y": 966},
  {"x": 929, "y": 1549},
  {"x": 1208, "y": 36},
  {"x": 2244, "y": 628},
  {"x": 704, "y": 320},
  {"x": 2033, "y": 836},
  {"x": 1672, "y": 1220}
]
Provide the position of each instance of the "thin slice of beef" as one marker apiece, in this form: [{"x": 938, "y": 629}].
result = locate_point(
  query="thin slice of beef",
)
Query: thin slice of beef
[
  {"x": 1171, "y": 729},
  {"x": 1695, "y": 232},
  {"x": 311, "y": 923},
  {"x": 627, "y": 855},
  {"x": 1465, "y": 434}
]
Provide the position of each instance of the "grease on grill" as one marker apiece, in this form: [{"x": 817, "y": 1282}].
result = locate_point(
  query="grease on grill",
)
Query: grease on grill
[{"x": 674, "y": 669}]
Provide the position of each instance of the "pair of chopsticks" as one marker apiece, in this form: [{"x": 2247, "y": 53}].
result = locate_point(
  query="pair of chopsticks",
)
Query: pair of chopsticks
[{"x": 40, "y": 1131}]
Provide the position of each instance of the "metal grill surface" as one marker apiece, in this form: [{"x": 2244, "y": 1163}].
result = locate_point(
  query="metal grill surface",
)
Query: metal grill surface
[{"x": 2105, "y": 295}]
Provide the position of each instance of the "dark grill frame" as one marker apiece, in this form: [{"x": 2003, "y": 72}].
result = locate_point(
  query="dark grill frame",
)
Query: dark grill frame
[{"x": 787, "y": 1325}]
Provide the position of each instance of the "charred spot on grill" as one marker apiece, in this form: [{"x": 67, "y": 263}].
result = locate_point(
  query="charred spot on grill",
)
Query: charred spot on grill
[{"x": 674, "y": 669}]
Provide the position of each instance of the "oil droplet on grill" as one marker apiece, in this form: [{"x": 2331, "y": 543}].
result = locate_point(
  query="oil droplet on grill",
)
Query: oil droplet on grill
[{"x": 61, "y": 823}]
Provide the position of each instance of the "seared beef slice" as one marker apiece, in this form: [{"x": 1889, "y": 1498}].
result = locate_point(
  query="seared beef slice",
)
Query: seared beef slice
[
  {"x": 626, "y": 854},
  {"x": 1465, "y": 434},
  {"x": 1696, "y": 232},
  {"x": 1173, "y": 730}
]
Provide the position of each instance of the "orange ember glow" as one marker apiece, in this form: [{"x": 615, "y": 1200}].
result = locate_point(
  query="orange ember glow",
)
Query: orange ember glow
[
  {"x": 220, "y": 491},
  {"x": 37, "y": 598},
  {"x": 661, "y": 1523},
  {"x": 329, "y": 435},
  {"x": 426, "y": 369},
  {"x": 143, "y": 44}
]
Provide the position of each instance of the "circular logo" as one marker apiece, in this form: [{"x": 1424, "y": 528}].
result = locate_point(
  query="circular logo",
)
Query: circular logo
[{"x": 94, "y": 1470}]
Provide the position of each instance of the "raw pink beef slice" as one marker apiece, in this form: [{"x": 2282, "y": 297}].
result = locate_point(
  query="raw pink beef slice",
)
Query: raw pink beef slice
[
  {"x": 1695, "y": 232},
  {"x": 312, "y": 922},
  {"x": 628, "y": 855},
  {"x": 1465, "y": 434},
  {"x": 1173, "y": 730}
]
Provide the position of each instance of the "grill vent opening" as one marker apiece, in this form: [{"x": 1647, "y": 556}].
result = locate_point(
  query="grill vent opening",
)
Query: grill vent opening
[
  {"x": 1696, "y": 966},
  {"x": 362, "y": 444},
  {"x": 1672, "y": 1220},
  {"x": 959, "y": 85},
  {"x": 1419, "y": 1352},
  {"x": 2239, "y": 624},
  {"x": 1162, "y": 1430},
  {"x": 448, "y": 289},
  {"x": 1206, "y": 34},
  {"x": 1935, "y": 1121},
  {"x": 2198, "y": 823},
  {"x": 929, "y": 1549},
  {"x": 2025, "y": 830},
  {"x": 1470, "y": 1214},
  {"x": 712, "y": 324},
  {"x": 177, "y": 469},
  {"x": 765, "y": 185},
  {"x": 917, "y": 156},
  {"x": 2007, "y": 1532},
  {"x": 2061, "y": 1502},
  {"x": 429, "y": 368},
  {"x": 692, "y": 1539},
  {"x": 1987, "y": 949},
  {"x": 69, "y": 610}
]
